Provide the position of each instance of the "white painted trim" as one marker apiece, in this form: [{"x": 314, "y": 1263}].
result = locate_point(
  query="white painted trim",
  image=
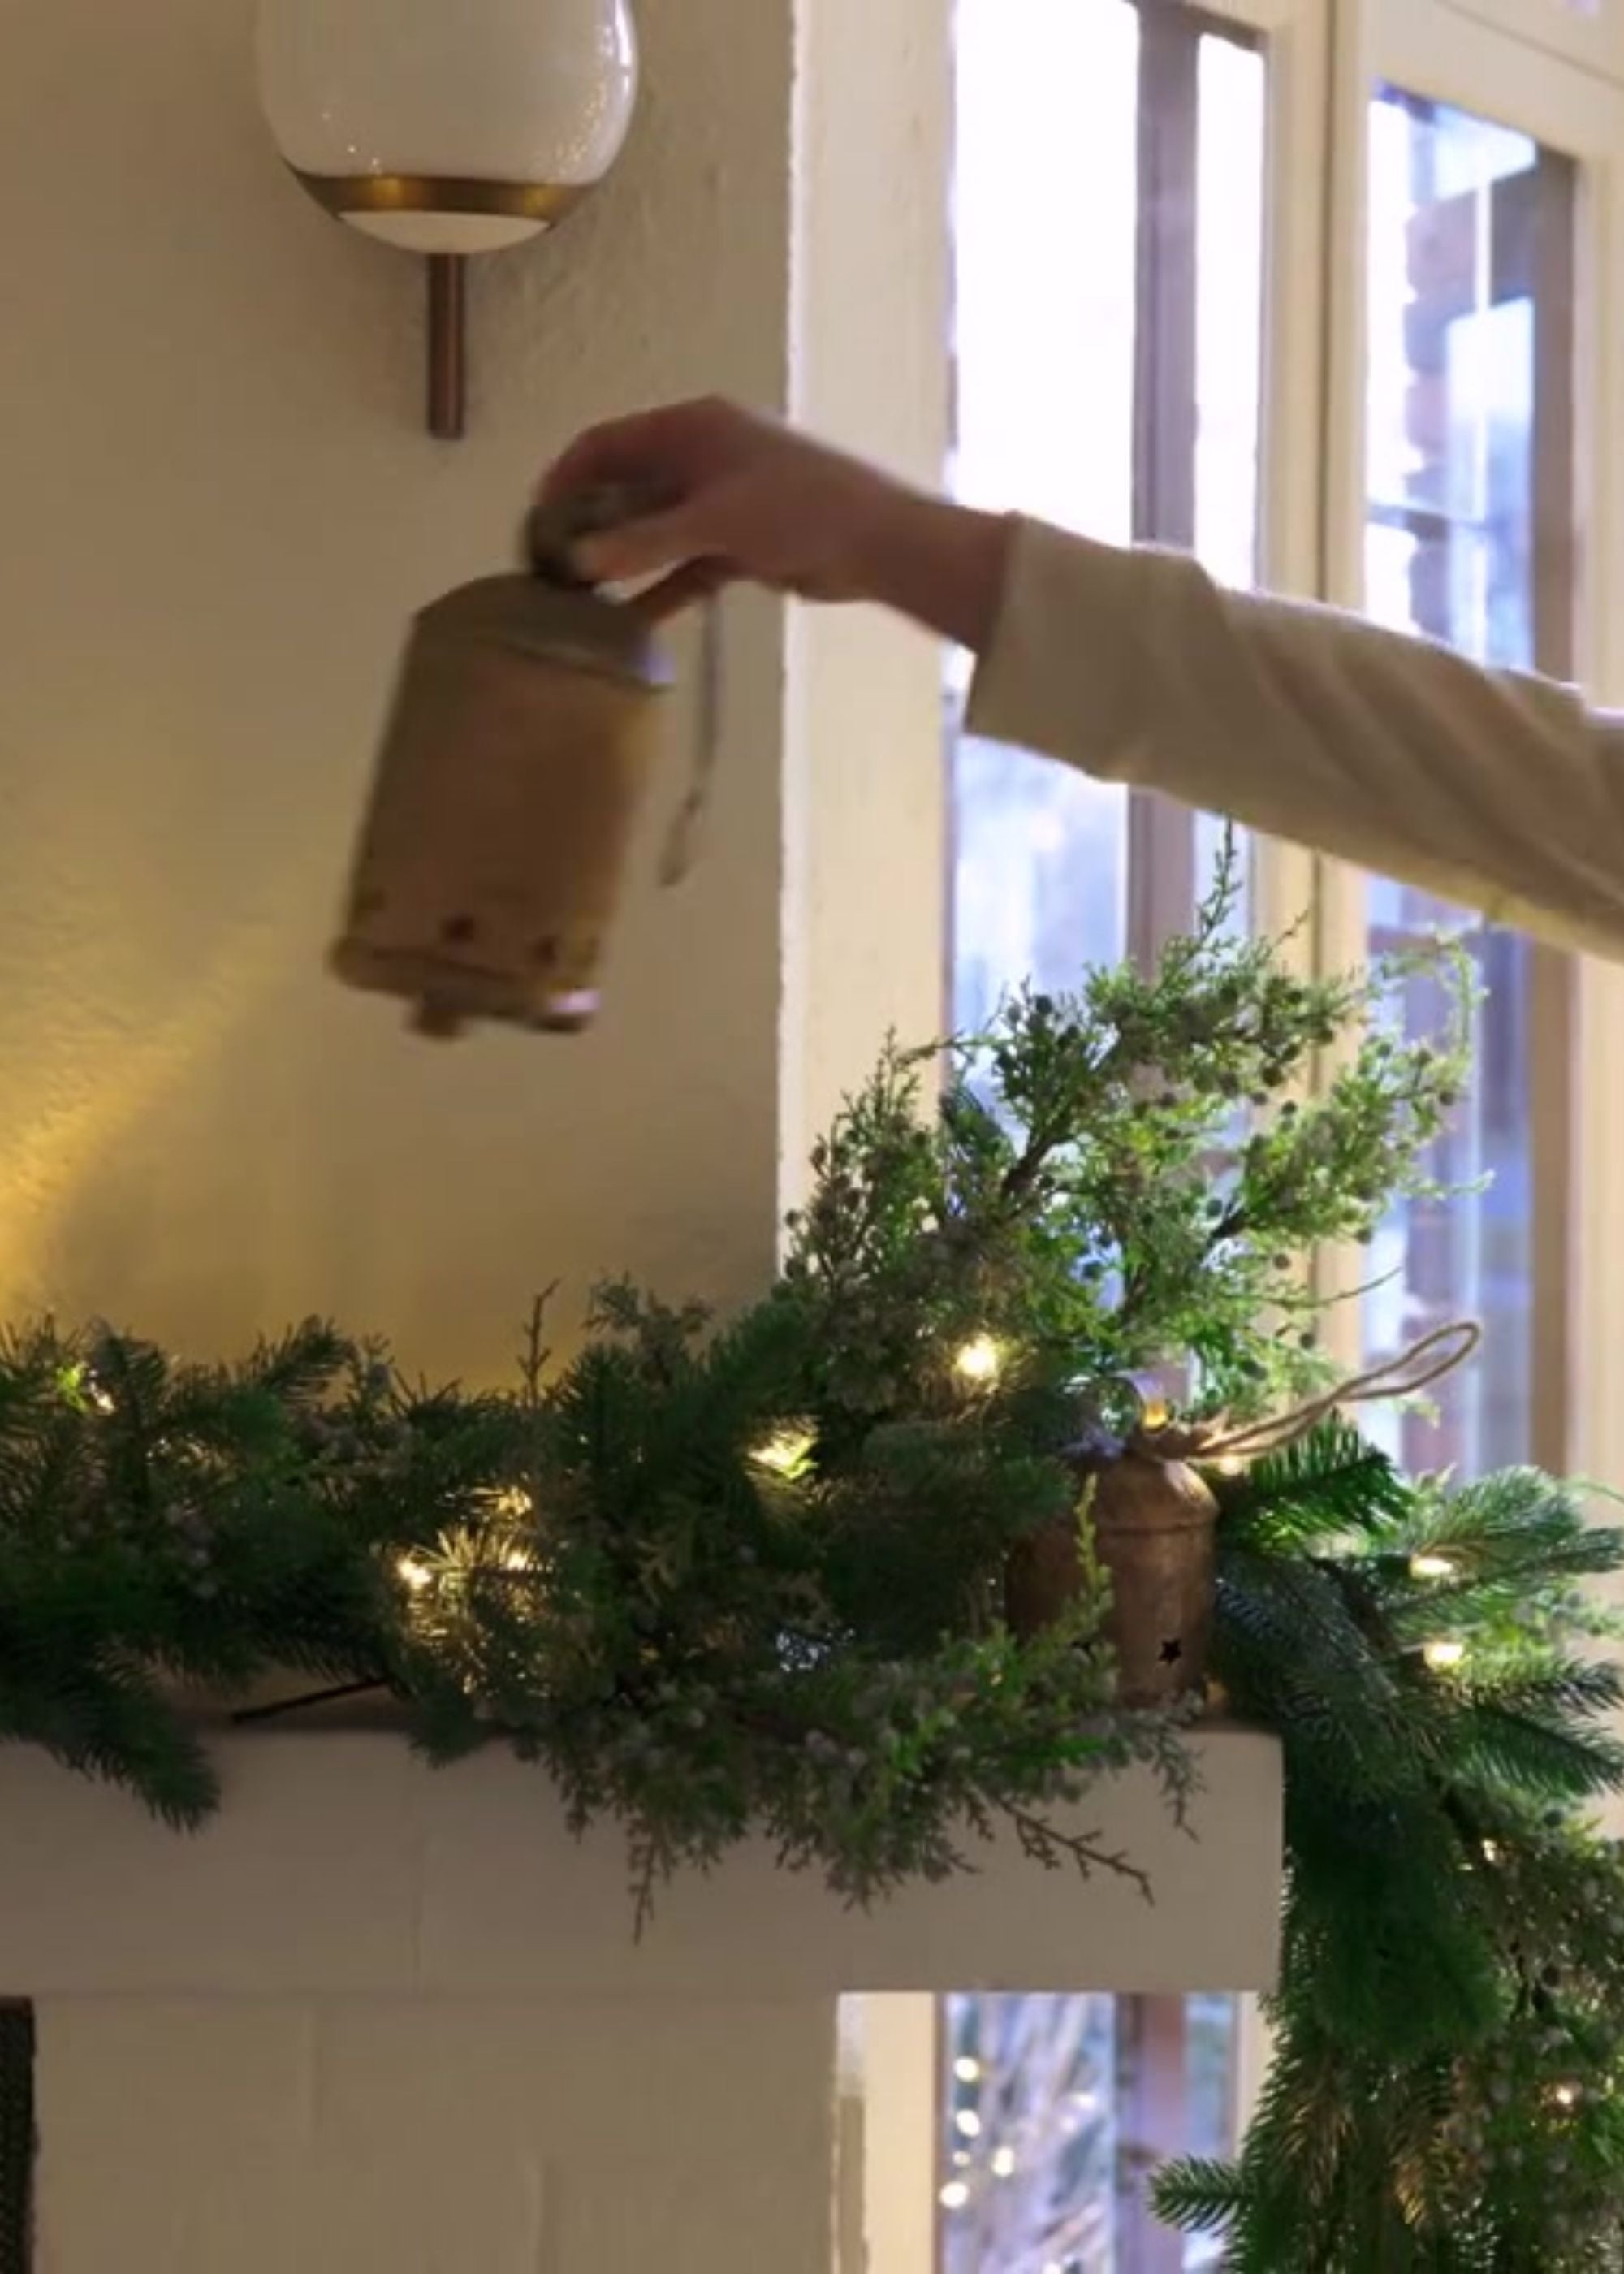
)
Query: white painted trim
[
  {"x": 1272, "y": 18},
  {"x": 1339, "y": 905},
  {"x": 343, "y": 1864},
  {"x": 1431, "y": 47},
  {"x": 1298, "y": 39},
  {"x": 1294, "y": 314},
  {"x": 1299, "y": 280},
  {"x": 1595, "y": 43},
  {"x": 1598, "y": 1291},
  {"x": 893, "y": 2092}
]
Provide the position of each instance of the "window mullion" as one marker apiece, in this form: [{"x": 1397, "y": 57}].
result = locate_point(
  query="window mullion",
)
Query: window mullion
[
  {"x": 1160, "y": 852},
  {"x": 1166, "y": 316},
  {"x": 1152, "y": 2062},
  {"x": 1163, "y": 885}
]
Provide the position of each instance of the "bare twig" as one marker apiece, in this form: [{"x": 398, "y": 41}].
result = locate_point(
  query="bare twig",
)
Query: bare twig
[{"x": 1042, "y": 1843}]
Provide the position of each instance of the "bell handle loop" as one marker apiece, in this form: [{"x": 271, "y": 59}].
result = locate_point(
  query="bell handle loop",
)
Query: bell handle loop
[
  {"x": 1437, "y": 1355},
  {"x": 685, "y": 836}
]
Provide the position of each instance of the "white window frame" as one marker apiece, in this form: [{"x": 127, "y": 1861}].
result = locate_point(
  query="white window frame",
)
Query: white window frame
[
  {"x": 1558, "y": 77},
  {"x": 1500, "y": 62},
  {"x": 1594, "y": 40},
  {"x": 1433, "y": 48},
  {"x": 1297, "y": 37}
]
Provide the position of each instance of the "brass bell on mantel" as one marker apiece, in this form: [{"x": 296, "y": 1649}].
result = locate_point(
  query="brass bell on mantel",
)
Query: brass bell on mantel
[
  {"x": 491, "y": 861},
  {"x": 1155, "y": 1522}
]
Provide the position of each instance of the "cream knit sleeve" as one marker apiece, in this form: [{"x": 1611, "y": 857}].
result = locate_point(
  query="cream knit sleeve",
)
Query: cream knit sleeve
[{"x": 1500, "y": 793}]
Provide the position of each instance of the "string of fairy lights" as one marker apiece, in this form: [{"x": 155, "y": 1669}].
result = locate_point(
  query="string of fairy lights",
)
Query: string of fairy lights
[{"x": 787, "y": 1456}]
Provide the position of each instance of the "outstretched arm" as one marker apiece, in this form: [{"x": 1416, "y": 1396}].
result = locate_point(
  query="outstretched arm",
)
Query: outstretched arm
[{"x": 1500, "y": 791}]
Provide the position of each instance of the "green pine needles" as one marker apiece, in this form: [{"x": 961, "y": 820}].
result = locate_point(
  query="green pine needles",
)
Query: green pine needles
[
  {"x": 1449, "y": 2024},
  {"x": 746, "y": 1578}
]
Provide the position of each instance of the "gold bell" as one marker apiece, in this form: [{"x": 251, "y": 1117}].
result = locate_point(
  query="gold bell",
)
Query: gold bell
[
  {"x": 1155, "y": 1524},
  {"x": 519, "y": 745}
]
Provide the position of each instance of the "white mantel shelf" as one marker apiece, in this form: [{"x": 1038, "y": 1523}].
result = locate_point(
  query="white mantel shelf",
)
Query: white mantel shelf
[
  {"x": 340, "y": 1866},
  {"x": 384, "y": 2019}
]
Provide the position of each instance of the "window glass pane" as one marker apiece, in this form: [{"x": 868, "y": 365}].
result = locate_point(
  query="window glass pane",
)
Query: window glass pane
[
  {"x": 1229, "y": 242},
  {"x": 1055, "y": 2112},
  {"x": 1046, "y": 253},
  {"x": 1066, "y": 409},
  {"x": 1030, "y": 2144},
  {"x": 1461, "y": 316}
]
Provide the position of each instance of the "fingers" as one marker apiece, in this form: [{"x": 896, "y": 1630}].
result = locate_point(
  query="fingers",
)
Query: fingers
[
  {"x": 684, "y": 587},
  {"x": 640, "y": 549},
  {"x": 651, "y": 445}
]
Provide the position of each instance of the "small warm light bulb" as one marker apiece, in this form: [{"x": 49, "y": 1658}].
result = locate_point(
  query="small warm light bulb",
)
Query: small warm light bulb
[
  {"x": 1431, "y": 1567},
  {"x": 785, "y": 1454},
  {"x": 954, "y": 2195},
  {"x": 517, "y": 1559},
  {"x": 967, "y": 2069},
  {"x": 980, "y": 1362},
  {"x": 969, "y": 2123},
  {"x": 1230, "y": 1465},
  {"x": 416, "y": 1576},
  {"x": 1566, "y": 2096},
  {"x": 1003, "y": 2163},
  {"x": 514, "y": 1503},
  {"x": 1491, "y": 1851},
  {"x": 1443, "y": 1657}
]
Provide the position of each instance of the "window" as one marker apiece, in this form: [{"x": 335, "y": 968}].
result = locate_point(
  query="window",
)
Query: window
[
  {"x": 1432, "y": 422},
  {"x": 1109, "y": 240},
  {"x": 1109, "y": 353},
  {"x": 1060, "y": 2107},
  {"x": 1469, "y": 539}
]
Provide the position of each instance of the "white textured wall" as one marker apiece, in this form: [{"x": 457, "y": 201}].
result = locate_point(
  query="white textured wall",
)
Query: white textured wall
[
  {"x": 343, "y": 1864},
  {"x": 373, "y": 2137},
  {"x": 219, "y": 508}
]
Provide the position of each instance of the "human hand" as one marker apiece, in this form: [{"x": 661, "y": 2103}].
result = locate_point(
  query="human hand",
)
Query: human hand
[{"x": 740, "y": 496}]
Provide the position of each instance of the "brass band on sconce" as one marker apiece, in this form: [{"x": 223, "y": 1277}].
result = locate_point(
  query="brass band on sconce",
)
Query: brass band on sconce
[{"x": 541, "y": 203}]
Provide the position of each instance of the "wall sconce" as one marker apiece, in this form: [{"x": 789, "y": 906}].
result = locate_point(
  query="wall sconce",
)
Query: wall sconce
[{"x": 448, "y": 128}]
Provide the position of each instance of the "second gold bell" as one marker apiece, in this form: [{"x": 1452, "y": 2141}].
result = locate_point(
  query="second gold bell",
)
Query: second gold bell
[{"x": 491, "y": 858}]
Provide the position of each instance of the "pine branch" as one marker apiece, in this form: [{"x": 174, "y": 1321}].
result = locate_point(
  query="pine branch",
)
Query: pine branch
[{"x": 1200, "y": 2196}]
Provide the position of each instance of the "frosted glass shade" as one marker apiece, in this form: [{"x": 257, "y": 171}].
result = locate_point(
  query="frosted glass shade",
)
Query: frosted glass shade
[{"x": 448, "y": 125}]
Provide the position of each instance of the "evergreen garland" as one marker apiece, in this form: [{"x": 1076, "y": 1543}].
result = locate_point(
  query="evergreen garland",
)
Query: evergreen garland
[
  {"x": 723, "y": 1580},
  {"x": 1450, "y": 2023}
]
